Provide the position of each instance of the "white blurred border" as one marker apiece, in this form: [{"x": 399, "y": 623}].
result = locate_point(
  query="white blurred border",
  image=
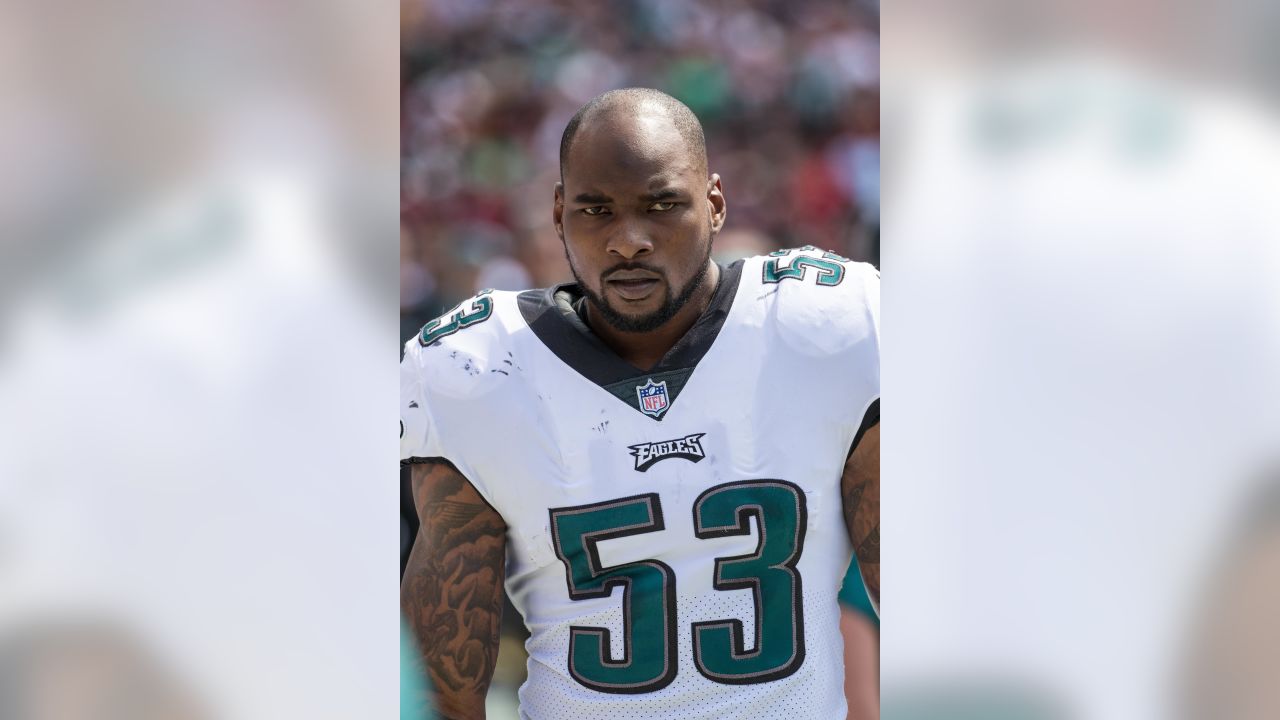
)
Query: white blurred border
[
  {"x": 197, "y": 360},
  {"x": 1081, "y": 242}
]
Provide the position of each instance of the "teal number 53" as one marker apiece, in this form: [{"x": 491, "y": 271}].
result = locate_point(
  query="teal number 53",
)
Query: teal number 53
[{"x": 648, "y": 661}]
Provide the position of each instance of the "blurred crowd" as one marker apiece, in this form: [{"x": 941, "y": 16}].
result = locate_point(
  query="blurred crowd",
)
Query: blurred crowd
[{"x": 788, "y": 94}]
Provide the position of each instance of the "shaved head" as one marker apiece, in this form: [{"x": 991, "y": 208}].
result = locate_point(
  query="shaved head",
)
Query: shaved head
[{"x": 638, "y": 106}]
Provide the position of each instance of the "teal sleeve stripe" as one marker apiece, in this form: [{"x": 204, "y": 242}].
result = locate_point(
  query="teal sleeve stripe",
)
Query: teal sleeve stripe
[
  {"x": 853, "y": 594},
  {"x": 413, "y": 682}
]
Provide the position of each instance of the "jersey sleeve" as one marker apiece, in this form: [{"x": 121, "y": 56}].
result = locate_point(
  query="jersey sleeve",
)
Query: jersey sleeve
[
  {"x": 825, "y": 310},
  {"x": 417, "y": 431},
  {"x": 867, "y": 280},
  {"x": 857, "y": 317},
  {"x": 827, "y": 307},
  {"x": 436, "y": 384},
  {"x": 853, "y": 313}
]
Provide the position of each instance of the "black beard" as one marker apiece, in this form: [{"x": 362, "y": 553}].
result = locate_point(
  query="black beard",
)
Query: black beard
[{"x": 657, "y": 318}]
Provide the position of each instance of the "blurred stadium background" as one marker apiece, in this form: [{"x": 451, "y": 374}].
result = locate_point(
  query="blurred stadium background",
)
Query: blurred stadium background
[{"x": 788, "y": 94}]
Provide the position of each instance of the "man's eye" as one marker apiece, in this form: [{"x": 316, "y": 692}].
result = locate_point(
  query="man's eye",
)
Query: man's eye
[
  {"x": 593, "y": 211},
  {"x": 662, "y": 206}
]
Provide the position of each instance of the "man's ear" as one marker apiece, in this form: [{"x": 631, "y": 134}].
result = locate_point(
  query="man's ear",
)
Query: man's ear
[
  {"x": 557, "y": 211},
  {"x": 715, "y": 200}
]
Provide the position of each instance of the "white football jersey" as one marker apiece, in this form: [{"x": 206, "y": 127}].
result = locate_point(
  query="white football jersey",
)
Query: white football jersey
[{"x": 675, "y": 539}]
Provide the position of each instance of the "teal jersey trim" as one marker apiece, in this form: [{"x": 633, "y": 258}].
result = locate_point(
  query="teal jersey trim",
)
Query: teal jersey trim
[
  {"x": 853, "y": 594},
  {"x": 413, "y": 681}
]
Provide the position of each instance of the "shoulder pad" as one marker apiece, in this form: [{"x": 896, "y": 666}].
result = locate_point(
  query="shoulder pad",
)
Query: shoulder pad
[
  {"x": 460, "y": 353},
  {"x": 823, "y": 303}
]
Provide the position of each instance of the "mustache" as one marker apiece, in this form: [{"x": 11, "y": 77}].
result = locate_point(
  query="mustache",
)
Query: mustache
[{"x": 604, "y": 276}]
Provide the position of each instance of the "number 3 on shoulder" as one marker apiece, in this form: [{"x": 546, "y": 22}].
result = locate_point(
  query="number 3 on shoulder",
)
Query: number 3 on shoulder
[{"x": 451, "y": 322}]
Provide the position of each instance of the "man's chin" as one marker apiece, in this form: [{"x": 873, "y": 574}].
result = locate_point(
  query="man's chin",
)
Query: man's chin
[{"x": 636, "y": 322}]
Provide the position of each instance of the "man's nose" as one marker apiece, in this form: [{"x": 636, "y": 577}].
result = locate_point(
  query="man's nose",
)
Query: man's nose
[{"x": 629, "y": 241}]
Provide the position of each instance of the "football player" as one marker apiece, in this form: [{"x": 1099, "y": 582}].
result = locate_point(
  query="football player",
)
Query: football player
[{"x": 669, "y": 462}]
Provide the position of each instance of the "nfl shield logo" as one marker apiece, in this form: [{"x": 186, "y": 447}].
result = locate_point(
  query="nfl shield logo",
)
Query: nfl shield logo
[{"x": 653, "y": 398}]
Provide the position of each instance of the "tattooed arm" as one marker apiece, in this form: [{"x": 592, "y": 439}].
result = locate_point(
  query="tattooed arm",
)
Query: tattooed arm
[
  {"x": 451, "y": 594},
  {"x": 860, "y": 488}
]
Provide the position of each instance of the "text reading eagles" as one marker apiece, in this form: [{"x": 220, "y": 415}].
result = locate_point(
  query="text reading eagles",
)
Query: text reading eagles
[{"x": 688, "y": 447}]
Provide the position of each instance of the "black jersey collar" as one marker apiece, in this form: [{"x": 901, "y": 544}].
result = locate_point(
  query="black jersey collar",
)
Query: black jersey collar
[{"x": 568, "y": 337}]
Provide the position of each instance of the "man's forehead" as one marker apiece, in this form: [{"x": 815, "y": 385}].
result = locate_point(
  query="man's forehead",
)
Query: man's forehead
[
  {"x": 644, "y": 150},
  {"x": 630, "y": 172},
  {"x": 621, "y": 184},
  {"x": 624, "y": 187}
]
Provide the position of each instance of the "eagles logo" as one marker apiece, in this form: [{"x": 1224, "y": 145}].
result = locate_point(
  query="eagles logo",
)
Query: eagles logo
[{"x": 688, "y": 447}]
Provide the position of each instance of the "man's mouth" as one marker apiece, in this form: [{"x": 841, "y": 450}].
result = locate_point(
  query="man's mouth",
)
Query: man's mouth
[{"x": 633, "y": 286}]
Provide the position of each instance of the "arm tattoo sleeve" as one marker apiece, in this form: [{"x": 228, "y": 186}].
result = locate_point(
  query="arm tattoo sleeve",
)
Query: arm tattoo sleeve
[
  {"x": 860, "y": 487},
  {"x": 451, "y": 594}
]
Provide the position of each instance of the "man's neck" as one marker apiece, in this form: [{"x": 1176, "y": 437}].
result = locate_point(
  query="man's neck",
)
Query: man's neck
[{"x": 646, "y": 349}]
